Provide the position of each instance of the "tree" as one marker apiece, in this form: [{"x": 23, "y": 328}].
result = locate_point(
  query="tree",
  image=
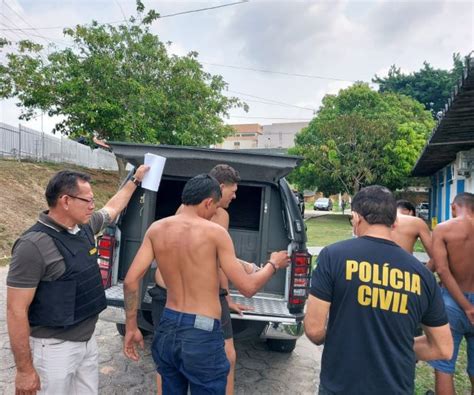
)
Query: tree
[
  {"x": 119, "y": 83},
  {"x": 361, "y": 137},
  {"x": 431, "y": 87}
]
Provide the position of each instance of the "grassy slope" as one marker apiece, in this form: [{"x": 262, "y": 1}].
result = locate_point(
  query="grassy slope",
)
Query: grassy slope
[{"x": 22, "y": 187}]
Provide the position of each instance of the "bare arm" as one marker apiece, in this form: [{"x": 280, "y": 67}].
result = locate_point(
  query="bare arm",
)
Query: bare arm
[
  {"x": 131, "y": 287},
  {"x": 120, "y": 200},
  {"x": 425, "y": 236},
  {"x": 18, "y": 303},
  {"x": 247, "y": 284},
  {"x": 437, "y": 343},
  {"x": 440, "y": 257},
  {"x": 317, "y": 311}
]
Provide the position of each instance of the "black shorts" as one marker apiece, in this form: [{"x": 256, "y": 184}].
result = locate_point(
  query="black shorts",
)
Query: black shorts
[{"x": 158, "y": 295}]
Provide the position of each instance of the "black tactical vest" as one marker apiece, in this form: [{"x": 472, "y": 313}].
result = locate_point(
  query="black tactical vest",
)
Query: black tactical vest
[{"x": 76, "y": 295}]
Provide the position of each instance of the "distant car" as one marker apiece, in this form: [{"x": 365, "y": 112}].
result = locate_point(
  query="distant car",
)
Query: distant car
[
  {"x": 323, "y": 204},
  {"x": 300, "y": 199},
  {"x": 423, "y": 210}
]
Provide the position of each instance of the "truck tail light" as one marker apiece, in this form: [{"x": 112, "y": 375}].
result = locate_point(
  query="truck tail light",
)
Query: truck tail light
[
  {"x": 106, "y": 244},
  {"x": 299, "y": 281}
]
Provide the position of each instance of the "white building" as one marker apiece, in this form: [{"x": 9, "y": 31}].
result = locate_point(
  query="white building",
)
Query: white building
[
  {"x": 280, "y": 135},
  {"x": 448, "y": 158}
]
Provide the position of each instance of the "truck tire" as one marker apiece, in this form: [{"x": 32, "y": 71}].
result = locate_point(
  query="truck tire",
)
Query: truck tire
[
  {"x": 121, "y": 330},
  {"x": 280, "y": 345}
]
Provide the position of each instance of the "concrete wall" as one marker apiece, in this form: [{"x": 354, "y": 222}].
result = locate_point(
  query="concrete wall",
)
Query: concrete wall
[{"x": 280, "y": 135}]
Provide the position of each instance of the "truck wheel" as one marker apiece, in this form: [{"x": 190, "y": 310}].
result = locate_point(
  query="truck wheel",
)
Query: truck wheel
[
  {"x": 121, "y": 330},
  {"x": 280, "y": 345}
]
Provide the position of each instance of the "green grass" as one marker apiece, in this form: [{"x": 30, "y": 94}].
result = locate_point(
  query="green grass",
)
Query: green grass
[
  {"x": 328, "y": 229},
  {"x": 424, "y": 376}
]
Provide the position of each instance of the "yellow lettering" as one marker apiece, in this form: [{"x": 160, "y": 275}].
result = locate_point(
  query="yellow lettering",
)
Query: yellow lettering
[
  {"x": 396, "y": 276},
  {"x": 396, "y": 302},
  {"x": 365, "y": 272},
  {"x": 406, "y": 281},
  {"x": 376, "y": 278},
  {"x": 404, "y": 305},
  {"x": 385, "y": 273},
  {"x": 416, "y": 284},
  {"x": 363, "y": 295},
  {"x": 375, "y": 297},
  {"x": 351, "y": 267},
  {"x": 385, "y": 298}
]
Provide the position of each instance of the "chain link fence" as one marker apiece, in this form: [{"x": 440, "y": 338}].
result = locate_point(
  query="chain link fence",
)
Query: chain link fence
[{"x": 25, "y": 143}]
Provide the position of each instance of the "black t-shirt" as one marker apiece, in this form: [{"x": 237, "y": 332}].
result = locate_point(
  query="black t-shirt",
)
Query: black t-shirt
[{"x": 379, "y": 294}]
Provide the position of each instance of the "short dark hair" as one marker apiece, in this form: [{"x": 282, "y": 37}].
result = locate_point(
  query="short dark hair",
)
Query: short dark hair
[
  {"x": 464, "y": 199},
  {"x": 63, "y": 183},
  {"x": 376, "y": 204},
  {"x": 406, "y": 204},
  {"x": 201, "y": 187},
  {"x": 225, "y": 174}
]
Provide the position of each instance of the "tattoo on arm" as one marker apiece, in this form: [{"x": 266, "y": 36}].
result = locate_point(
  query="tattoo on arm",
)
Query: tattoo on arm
[{"x": 131, "y": 301}]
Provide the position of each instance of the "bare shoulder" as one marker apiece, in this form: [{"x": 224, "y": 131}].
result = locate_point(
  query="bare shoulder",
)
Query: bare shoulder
[
  {"x": 445, "y": 227},
  {"x": 158, "y": 226},
  {"x": 221, "y": 217}
]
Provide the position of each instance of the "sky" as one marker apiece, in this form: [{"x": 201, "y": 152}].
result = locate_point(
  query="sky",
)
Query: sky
[{"x": 316, "y": 47}]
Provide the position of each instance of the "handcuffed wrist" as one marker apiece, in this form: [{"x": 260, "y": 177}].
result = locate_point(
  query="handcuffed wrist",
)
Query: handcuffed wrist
[{"x": 274, "y": 266}]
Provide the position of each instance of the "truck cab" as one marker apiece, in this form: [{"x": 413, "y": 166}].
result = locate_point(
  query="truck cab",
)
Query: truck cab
[{"x": 264, "y": 218}]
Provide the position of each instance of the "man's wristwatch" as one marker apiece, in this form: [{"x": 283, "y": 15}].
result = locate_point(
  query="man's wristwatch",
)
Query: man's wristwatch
[{"x": 136, "y": 181}]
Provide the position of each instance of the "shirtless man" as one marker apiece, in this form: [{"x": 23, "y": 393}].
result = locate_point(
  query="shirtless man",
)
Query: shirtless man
[
  {"x": 408, "y": 228},
  {"x": 188, "y": 347},
  {"x": 228, "y": 179},
  {"x": 453, "y": 252}
]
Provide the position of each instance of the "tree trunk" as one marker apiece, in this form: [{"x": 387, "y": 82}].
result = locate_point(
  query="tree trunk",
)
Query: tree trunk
[{"x": 121, "y": 163}]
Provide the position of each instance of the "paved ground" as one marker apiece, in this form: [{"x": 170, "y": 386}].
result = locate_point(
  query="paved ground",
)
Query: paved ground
[{"x": 259, "y": 371}]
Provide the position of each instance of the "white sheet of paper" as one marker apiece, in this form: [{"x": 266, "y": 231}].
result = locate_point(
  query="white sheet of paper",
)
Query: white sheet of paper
[{"x": 152, "y": 178}]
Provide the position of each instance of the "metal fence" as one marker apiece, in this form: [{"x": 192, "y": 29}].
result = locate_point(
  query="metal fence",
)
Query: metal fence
[{"x": 25, "y": 143}]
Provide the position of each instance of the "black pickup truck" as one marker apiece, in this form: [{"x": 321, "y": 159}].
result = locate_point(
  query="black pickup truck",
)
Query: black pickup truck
[{"x": 265, "y": 217}]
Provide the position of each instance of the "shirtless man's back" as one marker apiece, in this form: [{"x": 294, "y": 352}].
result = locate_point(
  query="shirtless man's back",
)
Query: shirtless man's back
[
  {"x": 453, "y": 255},
  {"x": 406, "y": 231},
  {"x": 188, "y": 347}
]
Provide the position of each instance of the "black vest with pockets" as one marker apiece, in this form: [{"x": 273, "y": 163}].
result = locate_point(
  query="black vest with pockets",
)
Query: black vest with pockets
[{"x": 78, "y": 293}]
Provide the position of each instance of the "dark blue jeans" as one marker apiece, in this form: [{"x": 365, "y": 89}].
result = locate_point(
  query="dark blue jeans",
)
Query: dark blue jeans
[{"x": 187, "y": 356}]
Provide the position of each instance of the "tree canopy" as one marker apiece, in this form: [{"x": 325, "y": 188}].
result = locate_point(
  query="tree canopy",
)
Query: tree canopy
[
  {"x": 361, "y": 137},
  {"x": 119, "y": 83},
  {"x": 431, "y": 87}
]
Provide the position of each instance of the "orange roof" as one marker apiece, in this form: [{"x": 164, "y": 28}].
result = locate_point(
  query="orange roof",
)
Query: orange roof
[{"x": 247, "y": 128}]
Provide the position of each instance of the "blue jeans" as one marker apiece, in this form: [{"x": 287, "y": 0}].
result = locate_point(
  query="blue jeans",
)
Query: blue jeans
[
  {"x": 460, "y": 327},
  {"x": 188, "y": 350}
]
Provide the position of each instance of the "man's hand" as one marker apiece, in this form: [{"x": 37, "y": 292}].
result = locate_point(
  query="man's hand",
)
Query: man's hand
[
  {"x": 280, "y": 259},
  {"x": 27, "y": 383},
  {"x": 140, "y": 172},
  {"x": 132, "y": 337},
  {"x": 470, "y": 314},
  {"x": 239, "y": 308}
]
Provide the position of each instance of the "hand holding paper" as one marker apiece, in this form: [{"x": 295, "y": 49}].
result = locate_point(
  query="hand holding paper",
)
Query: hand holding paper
[{"x": 152, "y": 178}]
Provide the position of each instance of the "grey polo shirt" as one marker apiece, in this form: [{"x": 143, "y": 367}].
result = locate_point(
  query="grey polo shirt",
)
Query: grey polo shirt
[{"x": 36, "y": 258}]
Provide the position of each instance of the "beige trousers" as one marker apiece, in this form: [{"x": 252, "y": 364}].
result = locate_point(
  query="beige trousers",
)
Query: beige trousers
[{"x": 65, "y": 367}]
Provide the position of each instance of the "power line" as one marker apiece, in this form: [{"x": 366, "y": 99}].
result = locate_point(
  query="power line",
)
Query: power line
[
  {"x": 17, "y": 14},
  {"x": 160, "y": 17},
  {"x": 277, "y": 72},
  {"x": 292, "y": 119},
  {"x": 271, "y": 101},
  {"x": 276, "y": 104}
]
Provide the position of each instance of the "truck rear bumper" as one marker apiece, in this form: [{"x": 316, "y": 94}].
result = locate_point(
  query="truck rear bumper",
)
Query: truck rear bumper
[{"x": 270, "y": 309}]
